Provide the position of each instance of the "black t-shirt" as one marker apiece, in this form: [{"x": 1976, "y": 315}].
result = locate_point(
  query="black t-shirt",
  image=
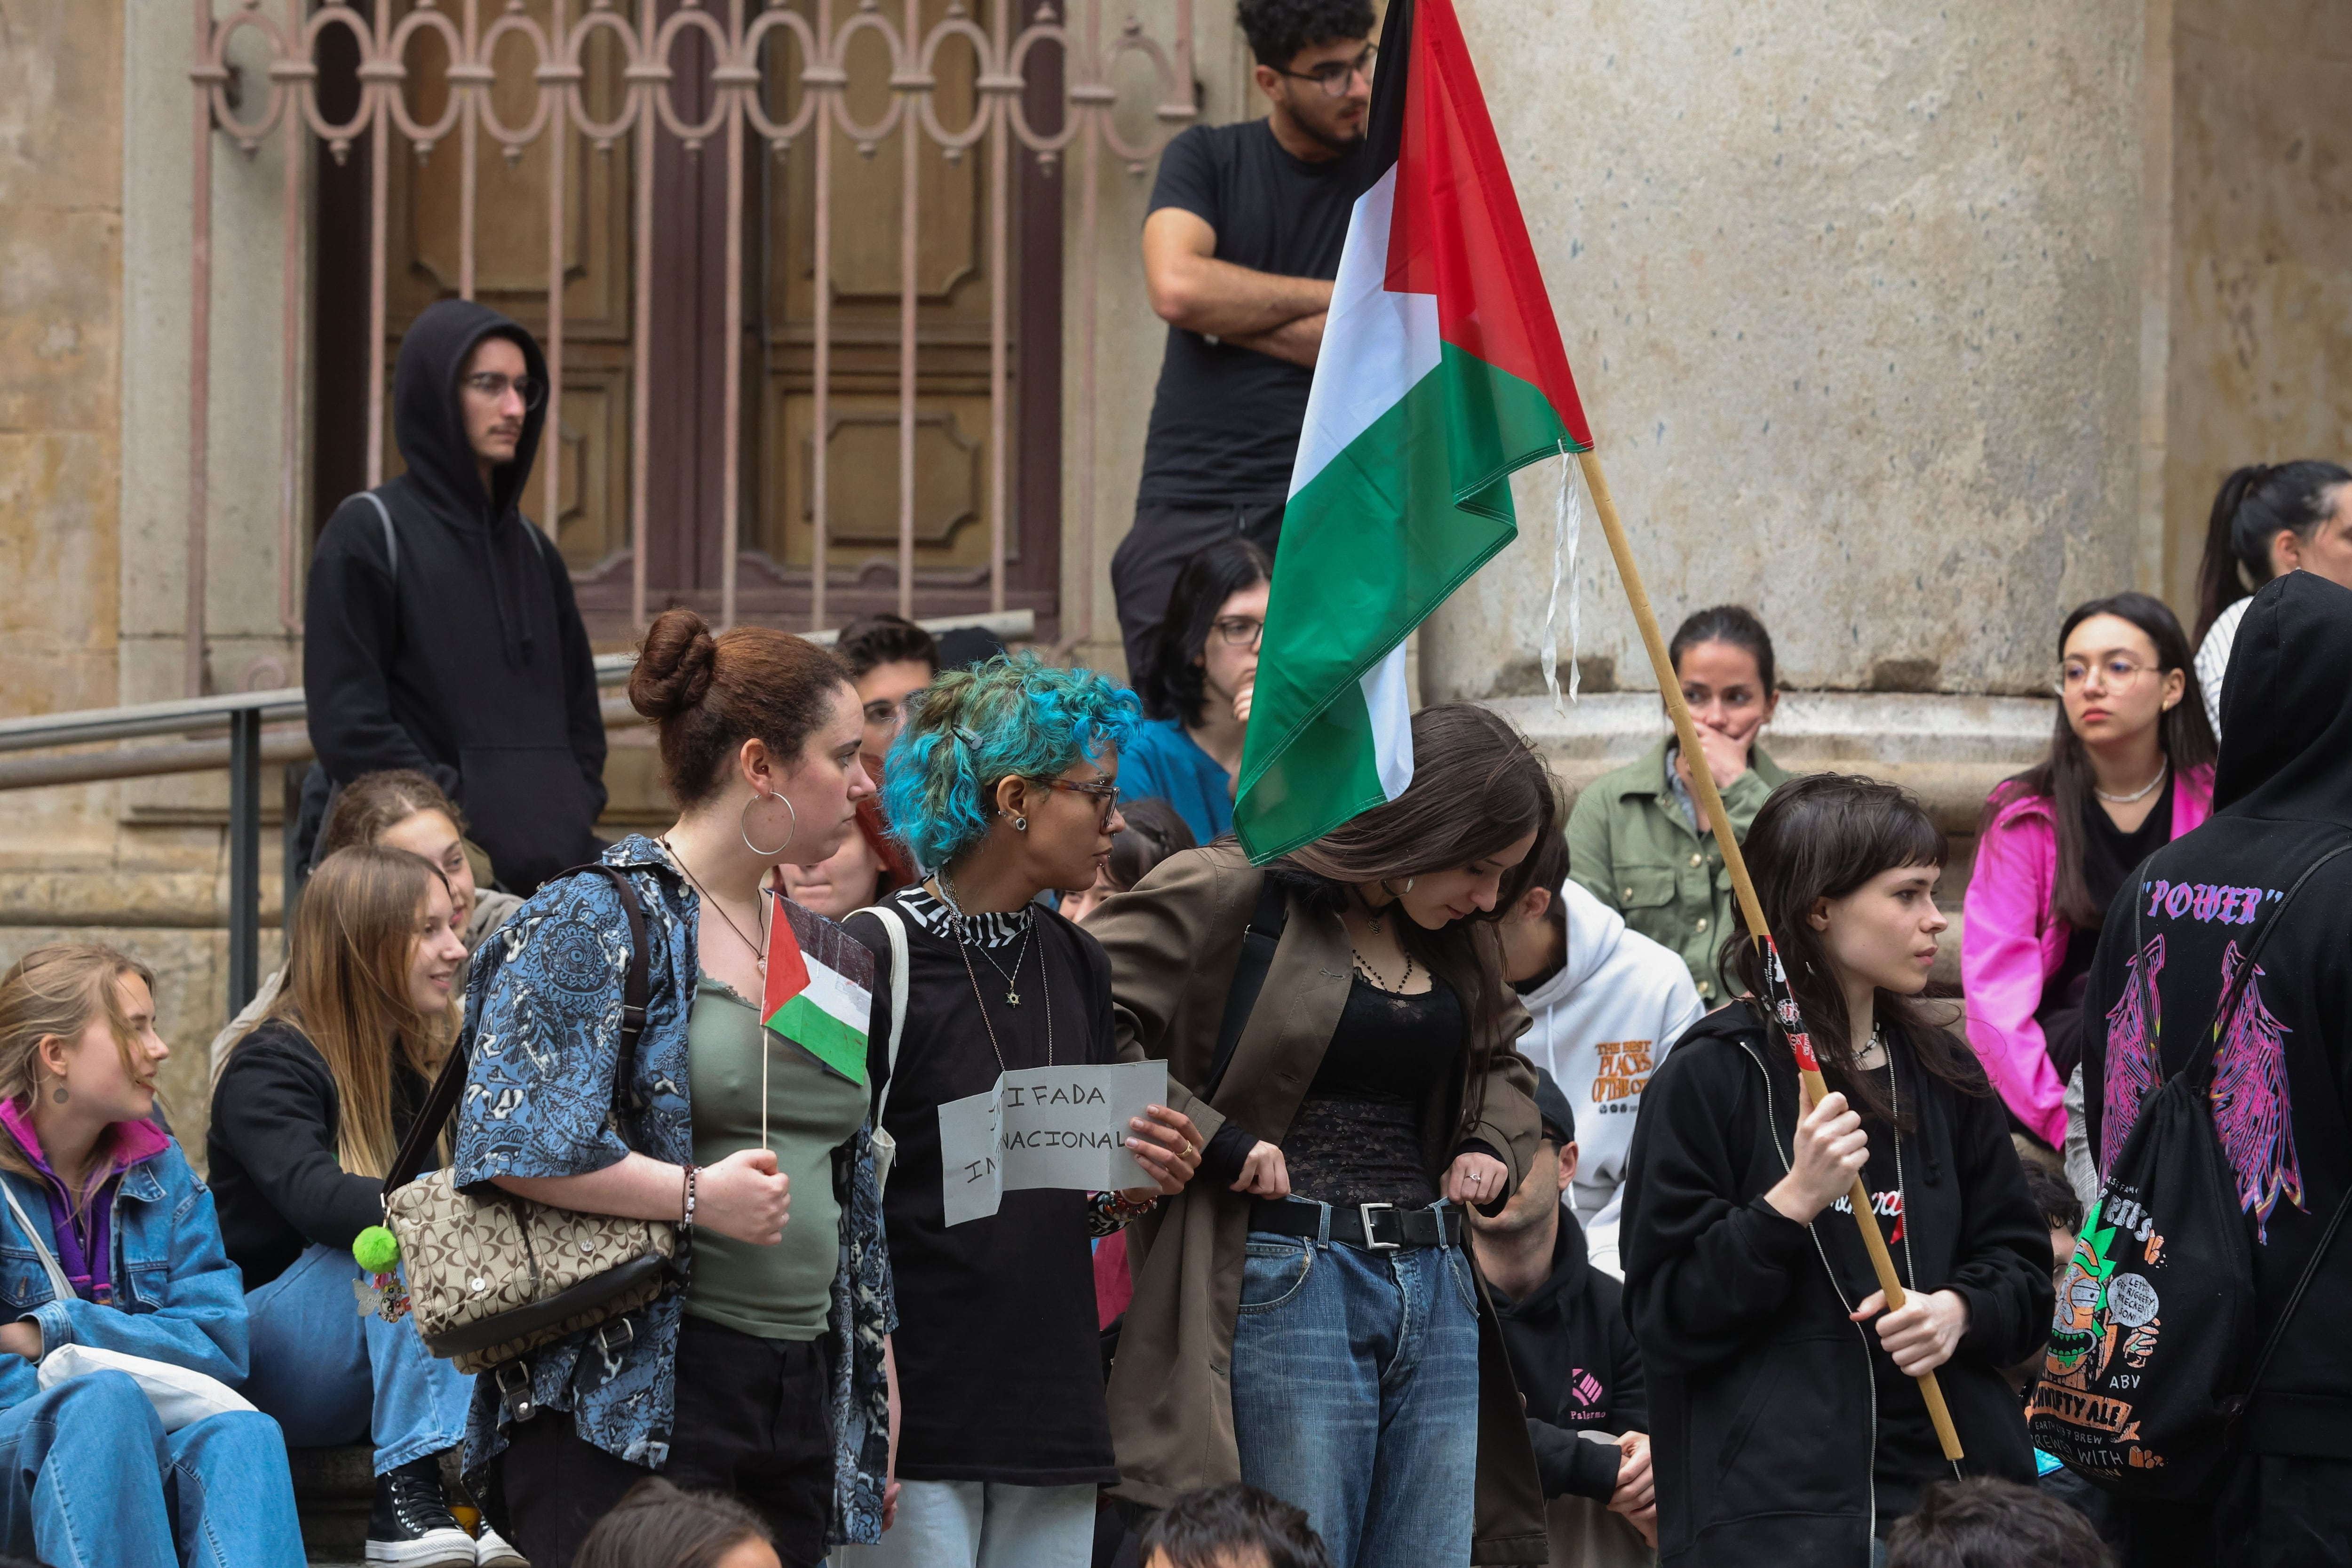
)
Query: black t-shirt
[
  {"x": 1224, "y": 423},
  {"x": 1357, "y": 1136},
  {"x": 2109, "y": 858},
  {"x": 1000, "y": 1369}
]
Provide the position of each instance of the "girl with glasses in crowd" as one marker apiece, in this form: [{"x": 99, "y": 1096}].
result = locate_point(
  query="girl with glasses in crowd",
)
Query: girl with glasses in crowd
[
  {"x": 1785, "y": 1424},
  {"x": 1197, "y": 689},
  {"x": 762, "y": 1372},
  {"x": 310, "y": 1107},
  {"x": 1005, "y": 783},
  {"x": 114, "y": 1245},
  {"x": 1305, "y": 1315},
  {"x": 2129, "y": 770}
]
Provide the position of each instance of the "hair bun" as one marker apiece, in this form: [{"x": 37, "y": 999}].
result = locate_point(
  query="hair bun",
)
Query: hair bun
[{"x": 674, "y": 665}]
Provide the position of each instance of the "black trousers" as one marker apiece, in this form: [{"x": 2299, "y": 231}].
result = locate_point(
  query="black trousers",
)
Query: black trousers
[
  {"x": 754, "y": 1420},
  {"x": 2274, "y": 1512},
  {"x": 1144, "y": 568}
]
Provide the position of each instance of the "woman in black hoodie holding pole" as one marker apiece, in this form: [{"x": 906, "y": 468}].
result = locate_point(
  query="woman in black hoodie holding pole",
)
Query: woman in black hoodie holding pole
[{"x": 1785, "y": 1425}]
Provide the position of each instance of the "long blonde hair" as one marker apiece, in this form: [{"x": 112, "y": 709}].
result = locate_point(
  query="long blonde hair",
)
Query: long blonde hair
[
  {"x": 60, "y": 990},
  {"x": 346, "y": 990}
]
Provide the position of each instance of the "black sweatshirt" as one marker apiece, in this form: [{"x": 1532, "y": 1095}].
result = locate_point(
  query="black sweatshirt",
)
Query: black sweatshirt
[
  {"x": 1577, "y": 1368},
  {"x": 468, "y": 662},
  {"x": 277, "y": 1184},
  {"x": 1766, "y": 1424},
  {"x": 2282, "y": 798}
]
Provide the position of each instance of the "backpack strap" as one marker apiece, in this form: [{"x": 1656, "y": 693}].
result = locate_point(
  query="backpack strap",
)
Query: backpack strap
[
  {"x": 391, "y": 537},
  {"x": 637, "y": 992},
  {"x": 894, "y": 926},
  {"x": 2203, "y": 1066},
  {"x": 1259, "y": 939}
]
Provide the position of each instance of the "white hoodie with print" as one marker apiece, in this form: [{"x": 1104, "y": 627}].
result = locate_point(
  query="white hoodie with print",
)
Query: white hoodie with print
[{"x": 1601, "y": 1025}]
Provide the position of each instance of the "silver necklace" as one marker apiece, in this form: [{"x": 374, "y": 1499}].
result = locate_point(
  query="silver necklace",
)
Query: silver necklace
[
  {"x": 2140, "y": 794},
  {"x": 963, "y": 946},
  {"x": 759, "y": 911}
]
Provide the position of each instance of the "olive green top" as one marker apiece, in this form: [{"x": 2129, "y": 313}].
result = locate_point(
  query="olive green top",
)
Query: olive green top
[
  {"x": 780, "y": 1293},
  {"x": 1632, "y": 846}
]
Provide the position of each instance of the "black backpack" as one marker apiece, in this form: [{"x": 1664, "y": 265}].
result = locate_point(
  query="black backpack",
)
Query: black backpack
[{"x": 2146, "y": 1371}]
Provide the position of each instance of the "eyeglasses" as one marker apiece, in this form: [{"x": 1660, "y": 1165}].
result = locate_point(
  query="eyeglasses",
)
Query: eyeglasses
[
  {"x": 1239, "y": 631},
  {"x": 1336, "y": 76},
  {"x": 1106, "y": 795},
  {"x": 494, "y": 386},
  {"x": 2118, "y": 673}
]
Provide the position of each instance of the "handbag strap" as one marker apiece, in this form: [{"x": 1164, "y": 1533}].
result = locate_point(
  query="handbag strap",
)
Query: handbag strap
[
  {"x": 895, "y": 928},
  {"x": 49, "y": 1265},
  {"x": 636, "y": 990},
  {"x": 1259, "y": 939}
]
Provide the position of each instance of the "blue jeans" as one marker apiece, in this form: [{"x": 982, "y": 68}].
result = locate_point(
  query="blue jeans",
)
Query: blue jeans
[
  {"x": 1355, "y": 1387},
  {"x": 331, "y": 1376},
  {"x": 109, "y": 1489}
]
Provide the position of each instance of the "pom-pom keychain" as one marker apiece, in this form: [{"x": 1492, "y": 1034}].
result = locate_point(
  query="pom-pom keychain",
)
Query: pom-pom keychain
[{"x": 377, "y": 1251}]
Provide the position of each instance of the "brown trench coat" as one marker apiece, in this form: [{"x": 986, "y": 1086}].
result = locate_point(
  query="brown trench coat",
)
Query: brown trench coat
[{"x": 1173, "y": 943}]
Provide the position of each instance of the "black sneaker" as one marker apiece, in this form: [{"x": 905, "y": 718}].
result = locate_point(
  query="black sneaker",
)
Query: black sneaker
[{"x": 411, "y": 1524}]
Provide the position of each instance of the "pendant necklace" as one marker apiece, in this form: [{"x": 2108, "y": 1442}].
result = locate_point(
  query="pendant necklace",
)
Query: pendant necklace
[
  {"x": 963, "y": 946},
  {"x": 759, "y": 949},
  {"x": 1011, "y": 976},
  {"x": 2140, "y": 794}
]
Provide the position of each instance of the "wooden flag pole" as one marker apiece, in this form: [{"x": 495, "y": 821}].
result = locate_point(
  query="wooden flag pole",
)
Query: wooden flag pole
[{"x": 1711, "y": 800}]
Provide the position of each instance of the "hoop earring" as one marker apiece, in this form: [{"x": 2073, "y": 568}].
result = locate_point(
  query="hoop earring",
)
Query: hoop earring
[{"x": 743, "y": 826}]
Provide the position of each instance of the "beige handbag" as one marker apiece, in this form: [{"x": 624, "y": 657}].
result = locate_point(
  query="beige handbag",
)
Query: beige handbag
[{"x": 491, "y": 1276}]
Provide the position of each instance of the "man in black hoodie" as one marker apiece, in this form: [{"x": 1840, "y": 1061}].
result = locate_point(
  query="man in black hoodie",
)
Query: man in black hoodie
[
  {"x": 1573, "y": 1356},
  {"x": 2282, "y": 798},
  {"x": 442, "y": 633}
]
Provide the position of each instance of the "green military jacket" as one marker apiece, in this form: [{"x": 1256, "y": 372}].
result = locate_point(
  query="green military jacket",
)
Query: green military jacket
[{"x": 1632, "y": 847}]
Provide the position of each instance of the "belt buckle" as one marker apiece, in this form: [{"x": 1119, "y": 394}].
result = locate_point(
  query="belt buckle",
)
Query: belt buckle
[{"x": 1364, "y": 1213}]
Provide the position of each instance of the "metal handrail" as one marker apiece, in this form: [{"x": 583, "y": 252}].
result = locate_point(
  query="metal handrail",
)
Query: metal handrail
[
  {"x": 201, "y": 715},
  {"x": 246, "y": 750}
]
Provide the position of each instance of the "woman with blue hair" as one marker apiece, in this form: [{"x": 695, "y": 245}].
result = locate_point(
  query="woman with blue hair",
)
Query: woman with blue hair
[{"x": 1004, "y": 784}]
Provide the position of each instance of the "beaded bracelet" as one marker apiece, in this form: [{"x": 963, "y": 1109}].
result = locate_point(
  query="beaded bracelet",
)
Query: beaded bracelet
[
  {"x": 685, "y": 1216},
  {"x": 1108, "y": 1212}
]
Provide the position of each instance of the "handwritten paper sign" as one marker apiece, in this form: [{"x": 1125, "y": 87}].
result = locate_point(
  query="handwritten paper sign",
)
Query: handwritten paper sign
[{"x": 1044, "y": 1127}]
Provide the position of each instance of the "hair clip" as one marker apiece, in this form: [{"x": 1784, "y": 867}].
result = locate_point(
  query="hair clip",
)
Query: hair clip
[{"x": 967, "y": 737}]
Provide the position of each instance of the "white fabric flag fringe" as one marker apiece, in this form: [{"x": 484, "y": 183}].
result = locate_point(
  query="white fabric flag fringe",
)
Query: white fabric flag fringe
[{"x": 1567, "y": 532}]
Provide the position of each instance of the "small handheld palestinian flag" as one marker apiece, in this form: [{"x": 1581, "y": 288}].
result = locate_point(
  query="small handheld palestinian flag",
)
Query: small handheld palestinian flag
[{"x": 820, "y": 988}]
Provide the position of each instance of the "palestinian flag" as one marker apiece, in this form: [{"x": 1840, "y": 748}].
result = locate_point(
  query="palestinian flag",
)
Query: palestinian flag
[
  {"x": 820, "y": 989},
  {"x": 1441, "y": 373}
]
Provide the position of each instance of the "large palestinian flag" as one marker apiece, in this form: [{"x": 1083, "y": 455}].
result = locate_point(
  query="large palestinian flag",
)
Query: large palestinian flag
[{"x": 1441, "y": 372}]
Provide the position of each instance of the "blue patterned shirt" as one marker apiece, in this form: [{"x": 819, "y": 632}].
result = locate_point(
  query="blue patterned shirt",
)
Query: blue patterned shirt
[{"x": 543, "y": 1026}]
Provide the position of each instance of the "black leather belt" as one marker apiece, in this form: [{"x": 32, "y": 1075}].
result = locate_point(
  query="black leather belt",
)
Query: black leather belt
[{"x": 1374, "y": 1227}]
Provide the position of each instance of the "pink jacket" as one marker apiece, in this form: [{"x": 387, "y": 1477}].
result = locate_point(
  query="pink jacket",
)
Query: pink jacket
[{"x": 2012, "y": 944}]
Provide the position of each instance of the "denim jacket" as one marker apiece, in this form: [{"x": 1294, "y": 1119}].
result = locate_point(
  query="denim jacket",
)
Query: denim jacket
[
  {"x": 542, "y": 1031},
  {"x": 177, "y": 1297}
]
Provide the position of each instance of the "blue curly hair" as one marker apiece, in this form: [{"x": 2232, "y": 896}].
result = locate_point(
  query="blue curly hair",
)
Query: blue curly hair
[{"x": 1013, "y": 716}]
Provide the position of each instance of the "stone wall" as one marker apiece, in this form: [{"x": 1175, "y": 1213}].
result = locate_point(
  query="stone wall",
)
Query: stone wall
[{"x": 2261, "y": 225}]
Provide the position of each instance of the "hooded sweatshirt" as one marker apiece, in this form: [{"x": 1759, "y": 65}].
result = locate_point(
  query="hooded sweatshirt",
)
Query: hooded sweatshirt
[
  {"x": 1780, "y": 1430},
  {"x": 2282, "y": 798},
  {"x": 1601, "y": 1025},
  {"x": 467, "y": 661},
  {"x": 1576, "y": 1366}
]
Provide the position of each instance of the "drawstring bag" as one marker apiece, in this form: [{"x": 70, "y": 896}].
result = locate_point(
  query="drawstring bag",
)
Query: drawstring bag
[{"x": 2146, "y": 1371}]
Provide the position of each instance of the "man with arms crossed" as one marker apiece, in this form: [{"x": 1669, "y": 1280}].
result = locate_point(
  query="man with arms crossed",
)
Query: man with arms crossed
[{"x": 1246, "y": 226}]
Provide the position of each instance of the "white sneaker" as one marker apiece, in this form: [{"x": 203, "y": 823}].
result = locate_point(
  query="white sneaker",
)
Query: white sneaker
[{"x": 491, "y": 1550}]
